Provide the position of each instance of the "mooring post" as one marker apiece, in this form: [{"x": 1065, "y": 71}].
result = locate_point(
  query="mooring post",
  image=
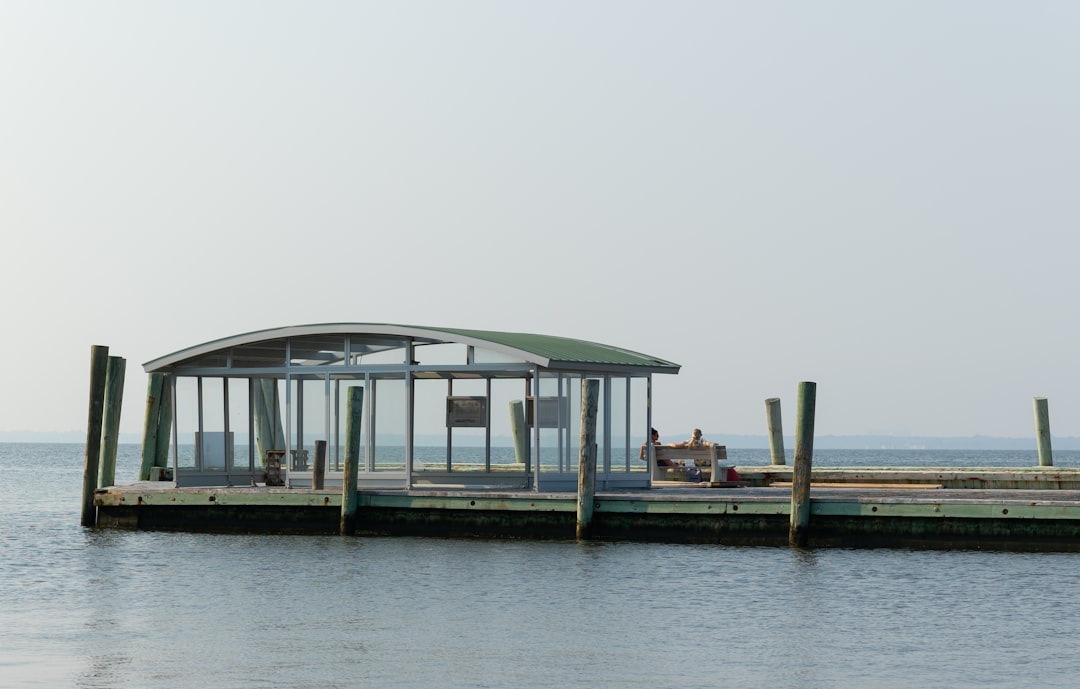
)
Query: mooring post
[
  {"x": 776, "y": 431},
  {"x": 1042, "y": 431},
  {"x": 586, "y": 482},
  {"x": 154, "y": 385},
  {"x": 318, "y": 467},
  {"x": 804, "y": 452},
  {"x": 99, "y": 360},
  {"x": 114, "y": 401},
  {"x": 520, "y": 431},
  {"x": 352, "y": 461}
]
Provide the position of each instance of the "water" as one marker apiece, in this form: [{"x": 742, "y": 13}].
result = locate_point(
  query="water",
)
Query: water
[{"x": 98, "y": 608}]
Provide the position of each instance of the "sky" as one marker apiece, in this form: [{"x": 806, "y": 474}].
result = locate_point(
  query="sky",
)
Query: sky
[{"x": 878, "y": 197}]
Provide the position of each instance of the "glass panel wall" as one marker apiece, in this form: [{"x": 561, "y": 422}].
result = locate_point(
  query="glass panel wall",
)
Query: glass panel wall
[
  {"x": 240, "y": 423},
  {"x": 389, "y": 423},
  {"x": 268, "y": 402},
  {"x": 467, "y": 443},
  {"x": 430, "y": 449},
  {"x": 212, "y": 449},
  {"x": 335, "y": 460},
  {"x": 638, "y": 414},
  {"x": 186, "y": 412},
  {"x": 619, "y": 404},
  {"x": 552, "y": 412},
  {"x": 504, "y": 391},
  {"x": 212, "y": 424},
  {"x": 572, "y": 444},
  {"x": 308, "y": 420},
  {"x": 558, "y": 412}
]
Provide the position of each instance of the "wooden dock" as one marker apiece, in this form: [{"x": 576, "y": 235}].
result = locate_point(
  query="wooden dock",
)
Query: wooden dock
[
  {"x": 848, "y": 516},
  {"x": 1035, "y": 508}
]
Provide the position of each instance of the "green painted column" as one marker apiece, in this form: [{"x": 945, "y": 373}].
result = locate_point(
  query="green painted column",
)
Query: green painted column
[
  {"x": 114, "y": 401},
  {"x": 99, "y": 360},
  {"x": 776, "y": 431},
  {"x": 590, "y": 395},
  {"x": 353, "y": 424},
  {"x": 1042, "y": 431},
  {"x": 804, "y": 452},
  {"x": 154, "y": 386}
]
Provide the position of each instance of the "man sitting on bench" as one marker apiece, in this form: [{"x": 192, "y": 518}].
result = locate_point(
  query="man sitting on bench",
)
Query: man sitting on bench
[{"x": 695, "y": 441}]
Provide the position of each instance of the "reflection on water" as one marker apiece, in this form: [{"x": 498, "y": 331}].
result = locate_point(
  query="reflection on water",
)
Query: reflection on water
[{"x": 96, "y": 609}]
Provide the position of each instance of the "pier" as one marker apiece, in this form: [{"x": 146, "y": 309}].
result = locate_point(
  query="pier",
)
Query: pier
[
  {"x": 1011, "y": 519},
  {"x": 231, "y": 427}
]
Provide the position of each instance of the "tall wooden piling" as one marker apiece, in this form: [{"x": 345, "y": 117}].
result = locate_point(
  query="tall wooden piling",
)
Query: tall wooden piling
[
  {"x": 776, "y": 431},
  {"x": 318, "y": 467},
  {"x": 114, "y": 401},
  {"x": 590, "y": 395},
  {"x": 151, "y": 425},
  {"x": 99, "y": 360},
  {"x": 1042, "y": 431},
  {"x": 804, "y": 452},
  {"x": 520, "y": 431},
  {"x": 269, "y": 432},
  {"x": 353, "y": 424}
]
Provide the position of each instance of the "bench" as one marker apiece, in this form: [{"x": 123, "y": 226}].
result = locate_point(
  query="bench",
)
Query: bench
[{"x": 709, "y": 456}]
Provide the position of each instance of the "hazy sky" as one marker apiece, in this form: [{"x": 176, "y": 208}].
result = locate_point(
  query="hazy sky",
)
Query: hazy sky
[{"x": 881, "y": 197}]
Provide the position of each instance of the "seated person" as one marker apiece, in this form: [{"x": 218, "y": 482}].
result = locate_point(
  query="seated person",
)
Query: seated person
[
  {"x": 695, "y": 441},
  {"x": 643, "y": 455}
]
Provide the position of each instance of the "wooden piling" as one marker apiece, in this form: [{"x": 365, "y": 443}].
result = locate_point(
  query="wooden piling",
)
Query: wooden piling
[
  {"x": 114, "y": 399},
  {"x": 353, "y": 424},
  {"x": 318, "y": 467},
  {"x": 99, "y": 359},
  {"x": 520, "y": 432},
  {"x": 776, "y": 431},
  {"x": 590, "y": 395},
  {"x": 269, "y": 433},
  {"x": 804, "y": 452},
  {"x": 151, "y": 425},
  {"x": 1042, "y": 431}
]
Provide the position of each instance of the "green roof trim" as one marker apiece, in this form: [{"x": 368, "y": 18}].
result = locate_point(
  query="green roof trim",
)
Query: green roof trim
[
  {"x": 547, "y": 351},
  {"x": 565, "y": 350}
]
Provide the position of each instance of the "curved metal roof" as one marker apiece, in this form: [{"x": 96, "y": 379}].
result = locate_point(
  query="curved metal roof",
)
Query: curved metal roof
[{"x": 547, "y": 351}]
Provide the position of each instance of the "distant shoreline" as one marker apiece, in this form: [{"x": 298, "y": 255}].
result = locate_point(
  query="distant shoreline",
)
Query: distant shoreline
[{"x": 824, "y": 442}]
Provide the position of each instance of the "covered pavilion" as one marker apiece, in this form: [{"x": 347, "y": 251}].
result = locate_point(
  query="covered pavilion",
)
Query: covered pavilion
[{"x": 441, "y": 407}]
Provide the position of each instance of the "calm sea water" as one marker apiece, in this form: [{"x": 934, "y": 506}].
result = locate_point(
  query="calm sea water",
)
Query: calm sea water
[{"x": 98, "y": 608}]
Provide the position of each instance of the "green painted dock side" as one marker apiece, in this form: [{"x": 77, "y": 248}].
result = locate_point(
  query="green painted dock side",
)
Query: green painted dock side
[
  {"x": 841, "y": 517},
  {"x": 1037, "y": 478}
]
